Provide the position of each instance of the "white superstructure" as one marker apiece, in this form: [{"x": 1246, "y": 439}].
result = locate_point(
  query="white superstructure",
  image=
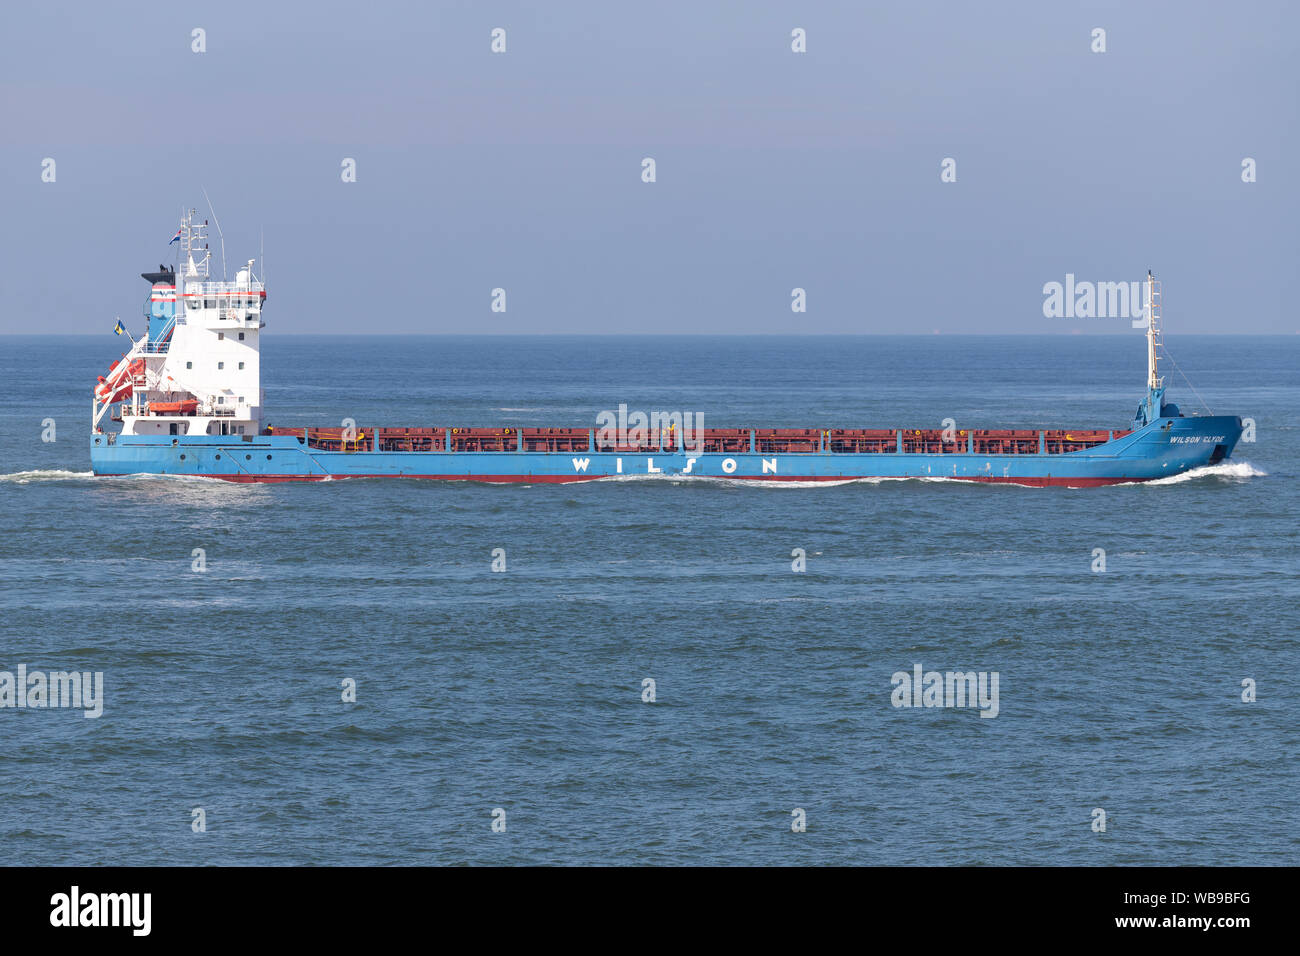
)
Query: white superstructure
[{"x": 196, "y": 370}]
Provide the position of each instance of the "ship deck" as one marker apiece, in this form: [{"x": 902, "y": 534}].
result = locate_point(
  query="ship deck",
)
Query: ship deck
[{"x": 762, "y": 441}]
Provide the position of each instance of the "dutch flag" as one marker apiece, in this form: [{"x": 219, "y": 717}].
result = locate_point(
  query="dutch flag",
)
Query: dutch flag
[{"x": 175, "y": 238}]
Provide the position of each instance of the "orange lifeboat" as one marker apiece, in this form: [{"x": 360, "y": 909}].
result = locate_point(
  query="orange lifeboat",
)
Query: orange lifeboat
[
  {"x": 117, "y": 384},
  {"x": 187, "y": 406}
]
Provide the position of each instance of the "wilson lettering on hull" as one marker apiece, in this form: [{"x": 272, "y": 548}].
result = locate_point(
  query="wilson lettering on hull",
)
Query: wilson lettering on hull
[{"x": 189, "y": 399}]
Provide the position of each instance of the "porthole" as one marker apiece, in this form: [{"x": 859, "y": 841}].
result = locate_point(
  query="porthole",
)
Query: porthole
[
  {"x": 218, "y": 458},
  {"x": 268, "y": 457},
  {"x": 248, "y": 458},
  {"x": 182, "y": 457}
]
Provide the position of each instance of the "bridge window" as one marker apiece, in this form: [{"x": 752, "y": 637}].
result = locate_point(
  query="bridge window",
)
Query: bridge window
[
  {"x": 189, "y": 364},
  {"x": 241, "y": 365},
  {"x": 221, "y": 365}
]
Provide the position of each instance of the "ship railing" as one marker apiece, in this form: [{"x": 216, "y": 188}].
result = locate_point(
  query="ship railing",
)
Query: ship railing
[
  {"x": 160, "y": 343},
  {"x": 224, "y": 288}
]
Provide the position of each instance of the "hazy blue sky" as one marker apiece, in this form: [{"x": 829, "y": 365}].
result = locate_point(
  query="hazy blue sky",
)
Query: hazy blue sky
[{"x": 775, "y": 169}]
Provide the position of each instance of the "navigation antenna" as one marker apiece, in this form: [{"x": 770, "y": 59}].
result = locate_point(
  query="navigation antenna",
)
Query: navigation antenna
[{"x": 224, "y": 275}]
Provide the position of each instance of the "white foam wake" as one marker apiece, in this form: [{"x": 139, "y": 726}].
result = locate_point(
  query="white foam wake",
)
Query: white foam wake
[
  {"x": 761, "y": 483},
  {"x": 28, "y": 477},
  {"x": 24, "y": 477},
  {"x": 1228, "y": 470},
  {"x": 1232, "y": 470}
]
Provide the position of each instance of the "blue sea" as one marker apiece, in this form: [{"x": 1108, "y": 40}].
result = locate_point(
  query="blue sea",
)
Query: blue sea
[{"x": 522, "y": 690}]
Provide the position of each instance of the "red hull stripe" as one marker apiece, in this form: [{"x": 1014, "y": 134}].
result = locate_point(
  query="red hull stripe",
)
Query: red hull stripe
[{"x": 1033, "y": 482}]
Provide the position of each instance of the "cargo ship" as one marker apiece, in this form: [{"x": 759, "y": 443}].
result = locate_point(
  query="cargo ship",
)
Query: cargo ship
[{"x": 188, "y": 400}]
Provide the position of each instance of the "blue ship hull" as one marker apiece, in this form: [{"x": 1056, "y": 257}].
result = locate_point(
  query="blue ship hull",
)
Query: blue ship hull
[{"x": 1164, "y": 447}]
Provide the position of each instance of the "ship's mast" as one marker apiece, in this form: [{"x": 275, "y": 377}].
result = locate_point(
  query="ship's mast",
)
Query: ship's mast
[
  {"x": 1153, "y": 405},
  {"x": 193, "y": 241},
  {"x": 1153, "y": 331}
]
